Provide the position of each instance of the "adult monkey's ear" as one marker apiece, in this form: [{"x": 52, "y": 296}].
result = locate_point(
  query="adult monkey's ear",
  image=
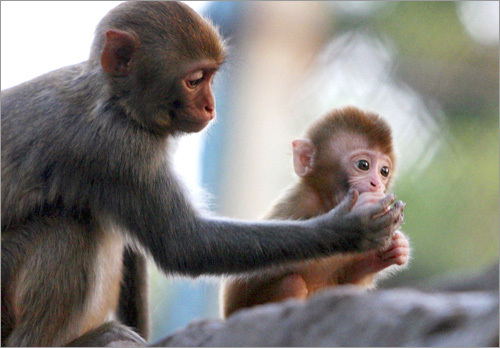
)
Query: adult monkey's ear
[{"x": 118, "y": 52}]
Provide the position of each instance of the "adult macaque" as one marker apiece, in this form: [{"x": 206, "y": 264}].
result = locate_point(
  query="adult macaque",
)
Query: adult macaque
[
  {"x": 346, "y": 149},
  {"x": 87, "y": 187}
]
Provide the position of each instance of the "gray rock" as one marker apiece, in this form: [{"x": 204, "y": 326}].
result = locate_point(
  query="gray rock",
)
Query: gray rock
[{"x": 346, "y": 316}]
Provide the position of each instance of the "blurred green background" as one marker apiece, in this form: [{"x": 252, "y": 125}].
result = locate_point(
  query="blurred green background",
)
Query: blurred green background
[{"x": 430, "y": 68}]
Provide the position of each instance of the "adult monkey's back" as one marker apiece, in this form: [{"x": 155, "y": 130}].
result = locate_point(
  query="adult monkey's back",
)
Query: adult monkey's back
[{"x": 85, "y": 175}]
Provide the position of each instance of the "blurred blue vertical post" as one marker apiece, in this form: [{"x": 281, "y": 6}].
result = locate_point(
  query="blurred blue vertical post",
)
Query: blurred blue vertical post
[
  {"x": 226, "y": 15},
  {"x": 201, "y": 300}
]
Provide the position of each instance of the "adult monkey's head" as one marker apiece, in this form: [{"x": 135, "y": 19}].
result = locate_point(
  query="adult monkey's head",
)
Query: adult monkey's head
[{"x": 160, "y": 68}]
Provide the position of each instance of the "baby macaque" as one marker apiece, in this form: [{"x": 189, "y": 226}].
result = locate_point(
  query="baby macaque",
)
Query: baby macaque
[{"x": 346, "y": 149}]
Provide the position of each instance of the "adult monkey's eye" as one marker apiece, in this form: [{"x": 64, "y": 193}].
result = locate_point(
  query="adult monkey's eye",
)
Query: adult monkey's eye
[
  {"x": 363, "y": 165},
  {"x": 385, "y": 171},
  {"x": 194, "y": 83},
  {"x": 194, "y": 79}
]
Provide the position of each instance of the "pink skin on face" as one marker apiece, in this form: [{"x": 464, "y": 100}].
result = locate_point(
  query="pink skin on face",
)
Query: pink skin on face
[{"x": 369, "y": 171}]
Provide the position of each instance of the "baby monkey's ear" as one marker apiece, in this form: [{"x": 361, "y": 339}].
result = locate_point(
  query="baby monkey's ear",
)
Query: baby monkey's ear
[{"x": 304, "y": 152}]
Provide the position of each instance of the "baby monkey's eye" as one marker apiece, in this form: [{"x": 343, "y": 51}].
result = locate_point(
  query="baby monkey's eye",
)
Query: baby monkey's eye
[
  {"x": 384, "y": 171},
  {"x": 363, "y": 165}
]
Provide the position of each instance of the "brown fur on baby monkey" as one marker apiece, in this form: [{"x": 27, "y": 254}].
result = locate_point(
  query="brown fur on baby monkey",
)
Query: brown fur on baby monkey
[{"x": 346, "y": 149}]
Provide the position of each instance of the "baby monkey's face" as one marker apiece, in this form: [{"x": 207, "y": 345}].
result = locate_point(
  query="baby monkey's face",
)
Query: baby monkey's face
[{"x": 369, "y": 171}]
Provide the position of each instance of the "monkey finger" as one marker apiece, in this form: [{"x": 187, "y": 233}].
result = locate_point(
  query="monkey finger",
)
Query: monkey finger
[
  {"x": 397, "y": 213},
  {"x": 349, "y": 201},
  {"x": 380, "y": 208},
  {"x": 399, "y": 240},
  {"x": 400, "y": 243},
  {"x": 398, "y": 235},
  {"x": 400, "y": 252},
  {"x": 393, "y": 245},
  {"x": 397, "y": 260},
  {"x": 396, "y": 251},
  {"x": 382, "y": 223},
  {"x": 398, "y": 221},
  {"x": 399, "y": 205},
  {"x": 391, "y": 220}
]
